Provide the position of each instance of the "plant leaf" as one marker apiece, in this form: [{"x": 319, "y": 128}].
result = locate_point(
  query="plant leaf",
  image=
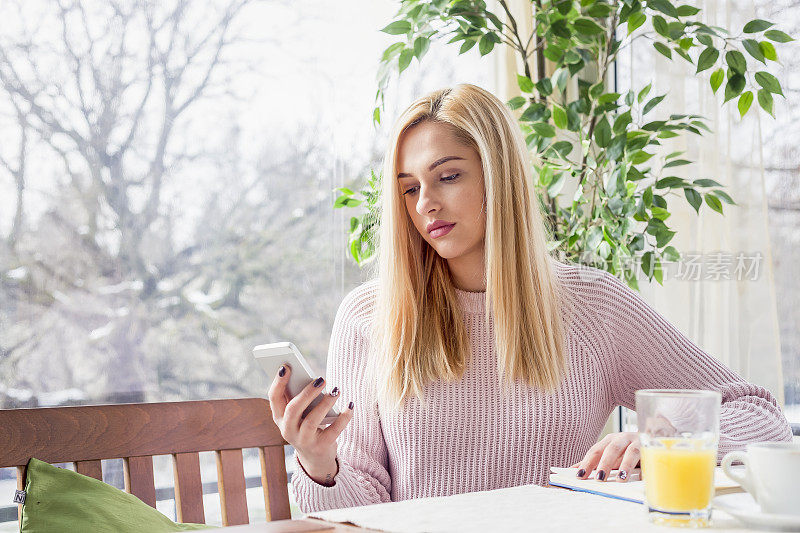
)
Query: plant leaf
[
  {"x": 757, "y": 25},
  {"x": 469, "y": 43},
  {"x": 751, "y": 45},
  {"x": 486, "y": 44},
  {"x": 421, "y": 46},
  {"x": 687, "y": 11},
  {"x": 736, "y": 61},
  {"x": 397, "y": 27},
  {"x": 525, "y": 84},
  {"x": 544, "y": 86},
  {"x": 617, "y": 147},
  {"x": 392, "y": 51},
  {"x": 705, "y": 182},
  {"x": 768, "y": 49},
  {"x": 405, "y": 59},
  {"x": 694, "y": 198},
  {"x": 652, "y": 103},
  {"x": 677, "y": 163},
  {"x": 559, "y": 117},
  {"x": 647, "y": 264},
  {"x": 635, "y": 20},
  {"x": 543, "y": 129},
  {"x": 602, "y": 133},
  {"x": 660, "y": 25},
  {"x": 744, "y": 102},
  {"x": 716, "y": 79},
  {"x": 671, "y": 254},
  {"x": 670, "y": 182},
  {"x": 769, "y": 82},
  {"x": 714, "y": 203},
  {"x": 734, "y": 86},
  {"x": 665, "y": 6},
  {"x": 587, "y": 26},
  {"x": 707, "y": 59},
  {"x": 516, "y": 102},
  {"x": 724, "y": 196},
  {"x": 643, "y": 93},
  {"x": 663, "y": 49},
  {"x": 777, "y": 36},
  {"x": 765, "y": 100}
]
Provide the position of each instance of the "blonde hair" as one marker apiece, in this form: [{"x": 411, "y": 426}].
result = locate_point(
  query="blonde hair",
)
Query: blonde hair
[{"x": 418, "y": 331}]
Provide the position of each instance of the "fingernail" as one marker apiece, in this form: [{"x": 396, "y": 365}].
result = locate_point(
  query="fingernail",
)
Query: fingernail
[
  {"x": 601, "y": 475},
  {"x": 350, "y": 405},
  {"x": 318, "y": 382},
  {"x": 622, "y": 475},
  {"x": 282, "y": 371},
  {"x": 335, "y": 391},
  {"x": 581, "y": 472}
]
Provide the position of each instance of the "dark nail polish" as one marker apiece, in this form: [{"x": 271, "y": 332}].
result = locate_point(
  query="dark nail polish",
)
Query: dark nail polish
[
  {"x": 350, "y": 405},
  {"x": 623, "y": 475},
  {"x": 601, "y": 475},
  {"x": 282, "y": 371},
  {"x": 581, "y": 472},
  {"x": 318, "y": 382},
  {"x": 335, "y": 391}
]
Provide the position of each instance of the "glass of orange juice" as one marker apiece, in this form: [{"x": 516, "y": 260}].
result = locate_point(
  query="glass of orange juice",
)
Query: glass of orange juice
[{"x": 679, "y": 433}]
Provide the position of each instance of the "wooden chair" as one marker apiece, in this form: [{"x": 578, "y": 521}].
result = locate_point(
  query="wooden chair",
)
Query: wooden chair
[{"x": 136, "y": 432}]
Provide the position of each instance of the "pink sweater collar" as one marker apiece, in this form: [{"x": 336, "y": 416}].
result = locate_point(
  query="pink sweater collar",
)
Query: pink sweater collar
[{"x": 472, "y": 302}]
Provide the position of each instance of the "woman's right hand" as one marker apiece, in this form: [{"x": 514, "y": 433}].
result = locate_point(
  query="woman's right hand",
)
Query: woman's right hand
[{"x": 316, "y": 447}]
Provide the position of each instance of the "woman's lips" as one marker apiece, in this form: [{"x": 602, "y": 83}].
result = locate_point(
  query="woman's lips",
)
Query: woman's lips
[{"x": 441, "y": 231}]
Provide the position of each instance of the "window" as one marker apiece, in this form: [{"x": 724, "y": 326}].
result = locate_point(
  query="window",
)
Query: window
[{"x": 166, "y": 188}]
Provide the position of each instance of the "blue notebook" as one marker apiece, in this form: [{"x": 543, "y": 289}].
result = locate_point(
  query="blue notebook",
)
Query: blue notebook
[{"x": 630, "y": 491}]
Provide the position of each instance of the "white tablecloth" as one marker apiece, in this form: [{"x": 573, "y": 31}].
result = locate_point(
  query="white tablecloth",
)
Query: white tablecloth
[{"x": 523, "y": 508}]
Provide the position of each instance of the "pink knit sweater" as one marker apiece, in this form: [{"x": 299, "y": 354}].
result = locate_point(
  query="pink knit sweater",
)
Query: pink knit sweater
[{"x": 471, "y": 436}]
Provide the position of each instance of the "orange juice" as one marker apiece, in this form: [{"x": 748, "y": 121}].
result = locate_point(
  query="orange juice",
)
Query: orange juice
[{"x": 678, "y": 476}]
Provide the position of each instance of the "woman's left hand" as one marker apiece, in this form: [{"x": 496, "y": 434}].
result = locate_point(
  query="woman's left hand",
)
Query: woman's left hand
[{"x": 615, "y": 451}]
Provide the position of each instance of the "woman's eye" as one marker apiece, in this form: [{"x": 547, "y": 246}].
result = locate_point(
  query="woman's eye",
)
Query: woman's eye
[{"x": 412, "y": 190}]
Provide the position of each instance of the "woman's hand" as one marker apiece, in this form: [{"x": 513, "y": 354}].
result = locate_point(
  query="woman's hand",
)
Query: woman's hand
[
  {"x": 316, "y": 448},
  {"x": 616, "y": 450}
]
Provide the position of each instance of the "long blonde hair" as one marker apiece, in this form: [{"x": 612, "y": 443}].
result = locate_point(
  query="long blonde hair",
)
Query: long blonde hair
[{"x": 418, "y": 330}]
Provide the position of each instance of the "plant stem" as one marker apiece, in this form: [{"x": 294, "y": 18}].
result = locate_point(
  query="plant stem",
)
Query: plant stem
[
  {"x": 593, "y": 122},
  {"x": 521, "y": 48}
]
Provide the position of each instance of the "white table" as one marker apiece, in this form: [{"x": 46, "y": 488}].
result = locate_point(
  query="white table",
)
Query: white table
[{"x": 525, "y": 508}]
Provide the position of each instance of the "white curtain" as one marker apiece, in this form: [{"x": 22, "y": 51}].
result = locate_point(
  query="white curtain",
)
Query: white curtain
[{"x": 721, "y": 295}]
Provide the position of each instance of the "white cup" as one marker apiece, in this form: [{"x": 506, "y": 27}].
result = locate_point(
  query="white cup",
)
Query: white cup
[{"x": 772, "y": 475}]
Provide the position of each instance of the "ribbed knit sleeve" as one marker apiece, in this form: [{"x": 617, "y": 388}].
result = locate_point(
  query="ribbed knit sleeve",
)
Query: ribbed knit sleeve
[
  {"x": 363, "y": 476},
  {"x": 647, "y": 352}
]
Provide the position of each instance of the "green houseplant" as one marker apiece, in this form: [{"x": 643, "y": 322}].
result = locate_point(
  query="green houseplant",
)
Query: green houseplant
[{"x": 600, "y": 141}]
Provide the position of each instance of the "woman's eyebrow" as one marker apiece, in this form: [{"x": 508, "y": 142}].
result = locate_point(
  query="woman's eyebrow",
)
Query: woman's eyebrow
[{"x": 433, "y": 165}]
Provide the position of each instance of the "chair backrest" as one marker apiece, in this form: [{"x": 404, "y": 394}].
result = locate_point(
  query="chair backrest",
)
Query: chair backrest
[{"x": 136, "y": 432}]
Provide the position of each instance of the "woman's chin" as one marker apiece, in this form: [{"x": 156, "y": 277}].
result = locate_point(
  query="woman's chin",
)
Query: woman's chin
[{"x": 448, "y": 252}]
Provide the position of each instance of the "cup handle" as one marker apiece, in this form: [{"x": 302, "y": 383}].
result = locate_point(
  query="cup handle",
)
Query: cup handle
[{"x": 741, "y": 479}]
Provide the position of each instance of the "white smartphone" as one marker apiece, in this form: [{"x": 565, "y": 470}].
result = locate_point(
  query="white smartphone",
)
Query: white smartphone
[{"x": 272, "y": 356}]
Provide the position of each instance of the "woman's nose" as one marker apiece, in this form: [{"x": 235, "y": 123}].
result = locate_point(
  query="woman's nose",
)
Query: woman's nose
[{"x": 427, "y": 202}]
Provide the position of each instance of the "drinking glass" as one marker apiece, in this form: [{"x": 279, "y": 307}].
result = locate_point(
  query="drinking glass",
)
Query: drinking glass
[{"x": 679, "y": 433}]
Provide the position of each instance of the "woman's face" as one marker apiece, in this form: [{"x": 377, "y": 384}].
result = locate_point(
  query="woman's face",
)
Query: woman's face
[{"x": 441, "y": 181}]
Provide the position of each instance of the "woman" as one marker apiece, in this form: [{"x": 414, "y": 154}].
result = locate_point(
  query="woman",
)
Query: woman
[{"x": 474, "y": 361}]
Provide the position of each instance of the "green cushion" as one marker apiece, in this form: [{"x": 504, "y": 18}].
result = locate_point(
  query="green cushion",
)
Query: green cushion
[{"x": 59, "y": 500}]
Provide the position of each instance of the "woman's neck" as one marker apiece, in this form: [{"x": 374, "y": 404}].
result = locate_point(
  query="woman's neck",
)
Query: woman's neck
[{"x": 468, "y": 271}]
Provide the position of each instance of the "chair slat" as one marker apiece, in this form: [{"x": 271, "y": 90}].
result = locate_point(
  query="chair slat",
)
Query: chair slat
[
  {"x": 90, "y": 468},
  {"x": 139, "y": 479},
  {"x": 91, "y": 432},
  {"x": 20, "y": 486},
  {"x": 230, "y": 479},
  {"x": 188, "y": 488},
  {"x": 274, "y": 482}
]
